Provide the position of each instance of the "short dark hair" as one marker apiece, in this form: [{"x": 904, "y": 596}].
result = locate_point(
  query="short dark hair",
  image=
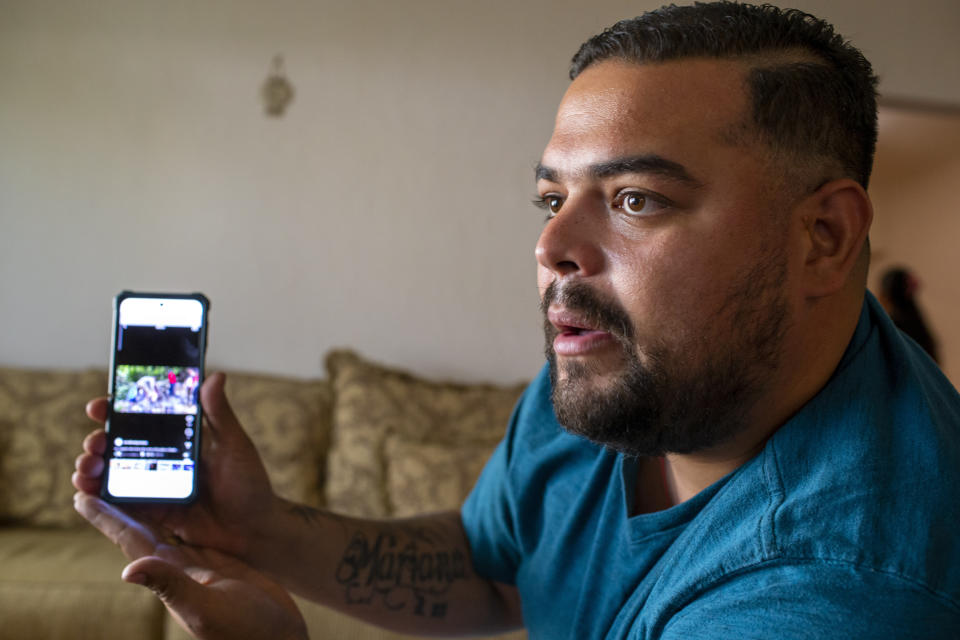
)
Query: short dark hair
[{"x": 813, "y": 94}]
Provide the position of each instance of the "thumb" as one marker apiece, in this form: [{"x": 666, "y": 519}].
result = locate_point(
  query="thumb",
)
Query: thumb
[
  {"x": 175, "y": 588},
  {"x": 220, "y": 416}
]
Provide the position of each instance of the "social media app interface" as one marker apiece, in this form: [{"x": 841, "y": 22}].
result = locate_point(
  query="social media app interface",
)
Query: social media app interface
[{"x": 154, "y": 424}]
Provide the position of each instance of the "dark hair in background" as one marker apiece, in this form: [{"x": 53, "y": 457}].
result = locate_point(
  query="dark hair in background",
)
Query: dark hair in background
[
  {"x": 813, "y": 94},
  {"x": 898, "y": 289}
]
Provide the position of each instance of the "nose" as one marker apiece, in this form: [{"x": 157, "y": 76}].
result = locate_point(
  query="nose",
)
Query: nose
[{"x": 570, "y": 243}]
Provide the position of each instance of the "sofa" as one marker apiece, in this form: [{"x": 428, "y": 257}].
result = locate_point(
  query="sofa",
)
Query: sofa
[{"x": 367, "y": 440}]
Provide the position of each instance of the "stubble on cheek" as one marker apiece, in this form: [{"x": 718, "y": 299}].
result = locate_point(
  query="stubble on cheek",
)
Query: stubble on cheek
[{"x": 688, "y": 389}]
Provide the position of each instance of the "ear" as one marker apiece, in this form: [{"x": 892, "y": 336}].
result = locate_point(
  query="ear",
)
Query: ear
[{"x": 836, "y": 219}]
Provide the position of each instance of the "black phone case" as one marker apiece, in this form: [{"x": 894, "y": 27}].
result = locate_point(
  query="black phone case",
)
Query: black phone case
[{"x": 108, "y": 454}]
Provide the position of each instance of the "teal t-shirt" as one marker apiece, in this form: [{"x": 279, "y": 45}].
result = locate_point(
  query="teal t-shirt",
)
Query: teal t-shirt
[{"x": 844, "y": 526}]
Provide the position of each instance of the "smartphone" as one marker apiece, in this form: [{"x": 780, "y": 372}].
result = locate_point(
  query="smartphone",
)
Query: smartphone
[{"x": 154, "y": 412}]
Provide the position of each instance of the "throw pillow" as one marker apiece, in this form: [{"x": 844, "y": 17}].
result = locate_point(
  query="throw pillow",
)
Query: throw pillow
[
  {"x": 375, "y": 404},
  {"x": 288, "y": 421},
  {"x": 423, "y": 477},
  {"x": 44, "y": 427}
]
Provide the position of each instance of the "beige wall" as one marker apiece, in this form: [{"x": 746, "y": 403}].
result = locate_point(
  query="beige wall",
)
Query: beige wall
[
  {"x": 917, "y": 216},
  {"x": 388, "y": 210}
]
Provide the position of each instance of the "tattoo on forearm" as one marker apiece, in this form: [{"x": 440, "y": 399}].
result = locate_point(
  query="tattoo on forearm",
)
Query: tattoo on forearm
[
  {"x": 316, "y": 517},
  {"x": 406, "y": 571},
  {"x": 309, "y": 514}
]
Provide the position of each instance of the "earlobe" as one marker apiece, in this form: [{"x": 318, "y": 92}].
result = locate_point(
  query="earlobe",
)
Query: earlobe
[{"x": 836, "y": 220}]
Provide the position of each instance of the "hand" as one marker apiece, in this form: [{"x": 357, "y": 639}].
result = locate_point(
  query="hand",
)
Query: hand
[
  {"x": 210, "y": 594},
  {"x": 235, "y": 497}
]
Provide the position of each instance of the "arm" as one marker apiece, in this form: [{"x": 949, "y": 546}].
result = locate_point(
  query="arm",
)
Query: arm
[{"x": 412, "y": 576}]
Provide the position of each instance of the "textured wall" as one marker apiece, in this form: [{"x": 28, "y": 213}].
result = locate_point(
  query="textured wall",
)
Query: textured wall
[{"x": 388, "y": 210}]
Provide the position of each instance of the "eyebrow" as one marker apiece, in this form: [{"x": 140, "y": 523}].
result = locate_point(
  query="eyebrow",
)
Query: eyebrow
[{"x": 645, "y": 163}]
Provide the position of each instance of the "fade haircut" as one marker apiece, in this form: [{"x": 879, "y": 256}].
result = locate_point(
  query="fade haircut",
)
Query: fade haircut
[{"x": 813, "y": 95}]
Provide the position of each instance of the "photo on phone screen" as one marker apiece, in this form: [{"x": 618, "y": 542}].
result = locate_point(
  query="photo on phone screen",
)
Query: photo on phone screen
[{"x": 153, "y": 418}]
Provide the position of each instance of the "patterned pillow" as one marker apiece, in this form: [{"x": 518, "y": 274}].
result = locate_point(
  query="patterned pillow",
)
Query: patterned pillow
[
  {"x": 42, "y": 425},
  {"x": 381, "y": 415},
  {"x": 423, "y": 477},
  {"x": 289, "y": 422}
]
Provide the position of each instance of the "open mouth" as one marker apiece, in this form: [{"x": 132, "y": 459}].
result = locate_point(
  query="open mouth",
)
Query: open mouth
[
  {"x": 574, "y": 331},
  {"x": 580, "y": 331},
  {"x": 567, "y": 321},
  {"x": 575, "y": 336}
]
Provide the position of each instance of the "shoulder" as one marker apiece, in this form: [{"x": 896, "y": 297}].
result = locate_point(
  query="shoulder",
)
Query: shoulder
[
  {"x": 868, "y": 473},
  {"x": 814, "y": 599}
]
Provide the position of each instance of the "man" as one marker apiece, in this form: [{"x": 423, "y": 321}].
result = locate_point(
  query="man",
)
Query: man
[{"x": 749, "y": 448}]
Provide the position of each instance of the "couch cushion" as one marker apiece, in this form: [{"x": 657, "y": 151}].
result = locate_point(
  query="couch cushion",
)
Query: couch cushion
[
  {"x": 289, "y": 422},
  {"x": 381, "y": 412},
  {"x": 65, "y": 583},
  {"x": 42, "y": 424}
]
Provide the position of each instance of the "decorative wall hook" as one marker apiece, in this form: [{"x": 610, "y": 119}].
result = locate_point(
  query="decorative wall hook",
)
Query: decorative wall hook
[{"x": 277, "y": 92}]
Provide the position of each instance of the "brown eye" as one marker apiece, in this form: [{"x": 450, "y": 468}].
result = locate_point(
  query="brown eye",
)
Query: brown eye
[
  {"x": 634, "y": 203},
  {"x": 554, "y": 203}
]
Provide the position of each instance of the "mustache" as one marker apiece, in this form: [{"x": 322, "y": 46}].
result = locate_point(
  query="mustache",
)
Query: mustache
[{"x": 601, "y": 312}]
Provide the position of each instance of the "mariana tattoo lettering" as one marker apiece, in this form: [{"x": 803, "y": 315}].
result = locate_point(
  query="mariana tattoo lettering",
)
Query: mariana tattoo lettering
[{"x": 405, "y": 572}]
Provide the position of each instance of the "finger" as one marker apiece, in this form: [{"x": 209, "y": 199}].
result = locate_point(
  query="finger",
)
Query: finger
[
  {"x": 178, "y": 591},
  {"x": 89, "y": 465},
  {"x": 85, "y": 484},
  {"x": 97, "y": 409},
  {"x": 134, "y": 538},
  {"x": 220, "y": 416},
  {"x": 88, "y": 474},
  {"x": 96, "y": 442}
]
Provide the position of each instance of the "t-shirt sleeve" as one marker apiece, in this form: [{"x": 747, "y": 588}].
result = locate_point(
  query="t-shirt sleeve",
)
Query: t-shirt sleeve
[
  {"x": 489, "y": 515},
  {"x": 815, "y": 601}
]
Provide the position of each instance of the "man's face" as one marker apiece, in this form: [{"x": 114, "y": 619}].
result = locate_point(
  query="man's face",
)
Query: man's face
[{"x": 663, "y": 267}]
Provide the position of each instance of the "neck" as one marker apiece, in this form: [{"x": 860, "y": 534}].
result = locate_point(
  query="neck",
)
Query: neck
[{"x": 819, "y": 342}]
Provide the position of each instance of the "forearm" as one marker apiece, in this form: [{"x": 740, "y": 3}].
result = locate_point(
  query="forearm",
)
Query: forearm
[{"x": 413, "y": 575}]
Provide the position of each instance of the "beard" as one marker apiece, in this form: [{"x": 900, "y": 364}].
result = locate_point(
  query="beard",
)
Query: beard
[{"x": 676, "y": 398}]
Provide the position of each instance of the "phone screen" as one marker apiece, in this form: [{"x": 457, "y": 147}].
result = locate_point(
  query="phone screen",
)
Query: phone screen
[{"x": 154, "y": 414}]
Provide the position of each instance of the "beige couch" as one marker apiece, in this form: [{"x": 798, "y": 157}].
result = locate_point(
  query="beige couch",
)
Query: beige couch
[{"x": 367, "y": 440}]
